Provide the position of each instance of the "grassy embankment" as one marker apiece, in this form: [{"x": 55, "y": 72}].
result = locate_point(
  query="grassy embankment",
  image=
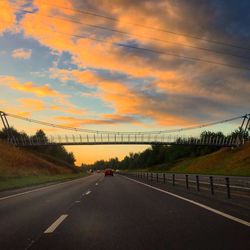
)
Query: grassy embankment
[
  {"x": 22, "y": 168},
  {"x": 226, "y": 161}
]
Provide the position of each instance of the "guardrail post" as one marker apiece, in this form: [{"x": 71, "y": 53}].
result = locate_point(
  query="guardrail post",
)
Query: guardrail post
[
  {"x": 228, "y": 187},
  {"x": 164, "y": 178},
  {"x": 147, "y": 175},
  {"x": 151, "y": 176},
  {"x": 212, "y": 184},
  {"x": 187, "y": 181},
  {"x": 173, "y": 178},
  {"x": 197, "y": 183},
  {"x": 157, "y": 177}
]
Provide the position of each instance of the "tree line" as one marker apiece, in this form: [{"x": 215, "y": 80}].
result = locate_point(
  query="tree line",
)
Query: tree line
[
  {"x": 57, "y": 151},
  {"x": 163, "y": 154}
]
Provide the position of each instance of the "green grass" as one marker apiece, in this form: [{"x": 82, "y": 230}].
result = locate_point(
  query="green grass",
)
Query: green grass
[
  {"x": 227, "y": 161},
  {"x": 223, "y": 162},
  {"x": 12, "y": 182}
]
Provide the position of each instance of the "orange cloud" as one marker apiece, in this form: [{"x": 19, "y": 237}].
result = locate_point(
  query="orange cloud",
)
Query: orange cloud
[
  {"x": 61, "y": 101},
  {"x": 122, "y": 99},
  {"x": 29, "y": 87},
  {"x": 7, "y": 16},
  {"x": 125, "y": 100},
  {"x": 32, "y": 104},
  {"x": 108, "y": 119},
  {"x": 94, "y": 53},
  {"x": 21, "y": 53}
]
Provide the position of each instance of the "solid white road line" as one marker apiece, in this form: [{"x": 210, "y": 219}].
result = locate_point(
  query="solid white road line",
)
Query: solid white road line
[
  {"x": 228, "y": 216},
  {"x": 38, "y": 189},
  {"x": 53, "y": 227}
]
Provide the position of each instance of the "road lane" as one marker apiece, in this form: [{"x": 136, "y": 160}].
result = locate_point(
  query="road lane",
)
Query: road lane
[
  {"x": 121, "y": 214},
  {"x": 24, "y": 218}
]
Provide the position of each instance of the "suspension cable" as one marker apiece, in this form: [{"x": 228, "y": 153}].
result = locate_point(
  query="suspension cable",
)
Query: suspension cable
[{"x": 122, "y": 132}]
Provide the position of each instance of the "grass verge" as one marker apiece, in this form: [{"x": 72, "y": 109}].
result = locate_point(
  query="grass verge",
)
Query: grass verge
[{"x": 13, "y": 182}]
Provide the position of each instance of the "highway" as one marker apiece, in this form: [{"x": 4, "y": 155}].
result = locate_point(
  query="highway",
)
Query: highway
[{"x": 98, "y": 212}]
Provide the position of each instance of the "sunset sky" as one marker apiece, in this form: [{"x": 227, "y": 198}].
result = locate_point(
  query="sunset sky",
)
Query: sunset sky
[{"x": 75, "y": 63}]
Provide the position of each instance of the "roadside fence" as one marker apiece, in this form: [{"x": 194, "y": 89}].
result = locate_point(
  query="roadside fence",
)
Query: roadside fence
[{"x": 212, "y": 184}]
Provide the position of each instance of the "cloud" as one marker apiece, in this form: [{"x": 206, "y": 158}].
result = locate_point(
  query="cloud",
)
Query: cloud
[
  {"x": 7, "y": 16},
  {"x": 166, "y": 103},
  {"x": 32, "y": 104},
  {"x": 29, "y": 87},
  {"x": 59, "y": 102},
  {"x": 21, "y": 53},
  {"x": 107, "y": 119},
  {"x": 179, "y": 91}
]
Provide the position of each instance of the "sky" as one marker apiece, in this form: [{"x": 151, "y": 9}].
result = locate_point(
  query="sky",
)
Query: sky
[{"x": 124, "y": 65}]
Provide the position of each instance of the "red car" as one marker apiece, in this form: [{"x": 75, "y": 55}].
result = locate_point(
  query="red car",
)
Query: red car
[{"x": 108, "y": 172}]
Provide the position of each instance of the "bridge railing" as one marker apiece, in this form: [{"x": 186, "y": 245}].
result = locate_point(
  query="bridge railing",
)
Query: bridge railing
[{"x": 82, "y": 139}]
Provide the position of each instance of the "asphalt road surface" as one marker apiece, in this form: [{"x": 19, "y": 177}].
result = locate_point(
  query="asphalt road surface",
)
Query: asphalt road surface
[{"x": 98, "y": 212}]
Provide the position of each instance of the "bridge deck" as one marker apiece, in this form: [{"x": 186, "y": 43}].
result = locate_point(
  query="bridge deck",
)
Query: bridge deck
[{"x": 122, "y": 140}]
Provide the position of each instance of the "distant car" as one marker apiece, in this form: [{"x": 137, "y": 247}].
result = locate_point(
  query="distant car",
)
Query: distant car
[{"x": 108, "y": 172}]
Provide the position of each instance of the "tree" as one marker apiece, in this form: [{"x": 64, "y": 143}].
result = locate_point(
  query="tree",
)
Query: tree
[{"x": 241, "y": 134}]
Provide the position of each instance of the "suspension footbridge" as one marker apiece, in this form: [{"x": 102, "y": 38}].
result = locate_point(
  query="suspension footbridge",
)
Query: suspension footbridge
[{"x": 97, "y": 137}]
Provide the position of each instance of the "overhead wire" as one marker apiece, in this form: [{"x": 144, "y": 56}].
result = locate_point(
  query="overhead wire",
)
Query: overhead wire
[
  {"x": 187, "y": 58},
  {"x": 91, "y": 13},
  {"x": 152, "y": 50},
  {"x": 133, "y": 34}
]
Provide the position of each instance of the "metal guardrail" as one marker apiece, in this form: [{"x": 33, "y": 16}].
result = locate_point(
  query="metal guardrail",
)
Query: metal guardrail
[{"x": 197, "y": 182}]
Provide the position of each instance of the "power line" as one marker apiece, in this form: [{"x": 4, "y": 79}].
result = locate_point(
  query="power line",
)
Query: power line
[
  {"x": 187, "y": 58},
  {"x": 122, "y": 132},
  {"x": 135, "y": 35},
  {"x": 156, "y": 51},
  {"x": 148, "y": 27}
]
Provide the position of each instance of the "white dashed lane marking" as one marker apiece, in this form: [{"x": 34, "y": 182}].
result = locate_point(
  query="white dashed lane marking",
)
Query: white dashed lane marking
[{"x": 53, "y": 227}]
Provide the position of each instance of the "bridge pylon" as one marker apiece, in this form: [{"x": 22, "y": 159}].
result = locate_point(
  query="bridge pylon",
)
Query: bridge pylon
[
  {"x": 6, "y": 125},
  {"x": 4, "y": 120},
  {"x": 245, "y": 125}
]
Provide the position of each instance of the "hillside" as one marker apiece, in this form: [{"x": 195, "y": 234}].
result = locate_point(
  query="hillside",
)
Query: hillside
[
  {"x": 20, "y": 162},
  {"x": 226, "y": 161}
]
